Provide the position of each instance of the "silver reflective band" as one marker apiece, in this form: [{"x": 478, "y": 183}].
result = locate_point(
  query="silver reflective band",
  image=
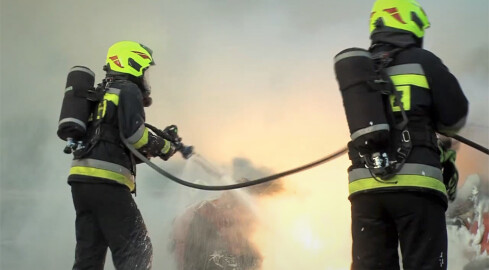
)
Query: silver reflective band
[
  {"x": 114, "y": 91},
  {"x": 104, "y": 165},
  {"x": 407, "y": 169},
  {"x": 370, "y": 129},
  {"x": 69, "y": 88},
  {"x": 453, "y": 128},
  {"x": 73, "y": 120},
  {"x": 83, "y": 69},
  {"x": 405, "y": 69},
  {"x": 137, "y": 135},
  {"x": 351, "y": 54}
]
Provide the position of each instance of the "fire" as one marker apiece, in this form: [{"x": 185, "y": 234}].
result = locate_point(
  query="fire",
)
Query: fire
[{"x": 306, "y": 226}]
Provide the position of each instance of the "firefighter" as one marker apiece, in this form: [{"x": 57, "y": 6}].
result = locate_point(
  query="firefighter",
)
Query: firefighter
[
  {"x": 406, "y": 210},
  {"x": 102, "y": 175}
]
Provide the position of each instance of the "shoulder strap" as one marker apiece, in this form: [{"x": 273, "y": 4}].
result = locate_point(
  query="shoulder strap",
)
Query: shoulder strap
[
  {"x": 93, "y": 136},
  {"x": 382, "y": 60},
  {"x": 403, "y": 143}
]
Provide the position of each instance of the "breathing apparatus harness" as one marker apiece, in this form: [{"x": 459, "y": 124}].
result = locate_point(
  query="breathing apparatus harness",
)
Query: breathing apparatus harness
[
  {"x": 97, "y": 130},
  {"x": 380, "y": 140},
  {"x": 380, "y": 166}
]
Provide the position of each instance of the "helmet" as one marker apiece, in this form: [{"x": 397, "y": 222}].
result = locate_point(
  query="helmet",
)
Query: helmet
[
  {"x": 129, "y": 57},
  {"x": 405, "y": 15}
]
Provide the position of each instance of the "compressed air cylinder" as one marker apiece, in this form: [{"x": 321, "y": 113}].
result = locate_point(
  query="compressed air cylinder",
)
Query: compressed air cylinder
[
  {"x": 76, "y": 108},
  {"x": 365, "y": 106}
]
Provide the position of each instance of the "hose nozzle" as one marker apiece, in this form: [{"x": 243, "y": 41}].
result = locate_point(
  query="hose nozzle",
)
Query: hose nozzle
[{"x": 187, "y": 151}]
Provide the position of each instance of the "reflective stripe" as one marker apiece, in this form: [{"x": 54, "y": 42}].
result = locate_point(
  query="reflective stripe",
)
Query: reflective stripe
[
  {"x": 401, "y": 181},
  {"x": 411, "y": 175},
  {"x": 101, "y": 109},
  {"x": 410, "y": 79},
  {"x": 83, "y": 69},
  {"x": 370, "y": 129},
  {"x": 140, "y": 137},
  {"x": 114, "y": 98},
  {"x": 453, "y": 129},
  {"x": 407, "y": 169},
  {"x": 408, "y": 74},
  {"x": 351, "y": 54},
  {"x": 414, "y": 68},
  {"x": 73, "y": 120},
  {"x": 114, "y": 91},
  {"x": 405, "y": 98},
  {"x": 103, "y": 169},
  {"x": 113, "y": 95},
  {"x": 166, "y": 147}
]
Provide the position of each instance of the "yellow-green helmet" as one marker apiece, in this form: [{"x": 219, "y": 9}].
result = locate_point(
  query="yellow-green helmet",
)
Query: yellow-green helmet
[
  {"x": 129, "y": 57},
  {"x": 407, "y": 15}
]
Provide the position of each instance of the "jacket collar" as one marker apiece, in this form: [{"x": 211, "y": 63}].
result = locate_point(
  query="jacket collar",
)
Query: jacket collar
[{"x": 396, "y": 38}]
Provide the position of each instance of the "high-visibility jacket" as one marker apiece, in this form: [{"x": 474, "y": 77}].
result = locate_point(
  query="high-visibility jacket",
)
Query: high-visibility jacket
[
  {"x": 108, "y": 160},
  {"x": 434, "y": 102}
]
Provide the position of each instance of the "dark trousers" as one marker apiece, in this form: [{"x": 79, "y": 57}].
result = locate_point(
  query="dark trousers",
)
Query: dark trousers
[
  {"x": 383, "y": 221},
  {"x": 107, "y": 216}
]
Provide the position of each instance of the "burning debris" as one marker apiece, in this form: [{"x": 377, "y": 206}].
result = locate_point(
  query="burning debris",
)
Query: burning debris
[
  {"x": 215, "y": 234},
  {"x": 468, "y": 226}
]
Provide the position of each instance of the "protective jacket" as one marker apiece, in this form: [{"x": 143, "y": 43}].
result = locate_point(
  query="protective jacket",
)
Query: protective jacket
[
  {"x": 105, "y": 159},
  {"x": 433, "y": 101}
]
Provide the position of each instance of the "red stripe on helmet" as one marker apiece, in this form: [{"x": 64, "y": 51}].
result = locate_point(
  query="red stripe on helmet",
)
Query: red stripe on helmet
[
  {"x": 395, "y": 14},
  {"x": 116, "y": 61},
  {"x": 143, "y": 55}
]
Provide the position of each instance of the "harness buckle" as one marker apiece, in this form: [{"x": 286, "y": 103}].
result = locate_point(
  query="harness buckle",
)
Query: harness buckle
[{"x": 405, "y": 136}]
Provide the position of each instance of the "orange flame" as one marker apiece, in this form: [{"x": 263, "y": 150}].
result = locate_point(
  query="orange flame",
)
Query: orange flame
[{"x": 307, "y": 226}]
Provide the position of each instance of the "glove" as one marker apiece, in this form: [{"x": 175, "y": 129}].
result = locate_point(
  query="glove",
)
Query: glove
[
  {"x": 167, "y": 150},
  {"x": 158, "y": 147},
  {"x": 450, "y": 174},
  {"x": 171, "y": 134},
  {"x": 449, "y": 169}
]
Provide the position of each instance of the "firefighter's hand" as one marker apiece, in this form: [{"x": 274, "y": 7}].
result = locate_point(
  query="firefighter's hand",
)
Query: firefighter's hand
[
  {"x": 450, "y": 173},
  {"x": 171, "y": 133},
  {"x": 167, "y": 151}
]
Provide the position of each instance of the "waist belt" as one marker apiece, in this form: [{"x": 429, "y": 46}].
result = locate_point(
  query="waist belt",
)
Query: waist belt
[
  {"x": 102, "y": 132},
  {"x": 423, "y": 137}
]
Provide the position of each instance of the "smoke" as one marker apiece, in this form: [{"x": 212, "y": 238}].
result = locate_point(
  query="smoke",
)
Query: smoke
[
  {"x": 250, "y": 79},
  {"x": 466, "y": 54},
  {"x": 467, "y": 227}
]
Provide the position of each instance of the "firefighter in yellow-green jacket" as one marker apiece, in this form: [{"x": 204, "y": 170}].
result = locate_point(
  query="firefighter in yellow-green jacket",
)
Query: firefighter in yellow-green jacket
[
  {"x": 102, "y": 176},
  {"x": 398, "y": 194}
]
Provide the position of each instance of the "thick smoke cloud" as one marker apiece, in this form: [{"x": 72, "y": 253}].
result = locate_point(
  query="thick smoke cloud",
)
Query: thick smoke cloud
[{"x": 249, "y": 79}]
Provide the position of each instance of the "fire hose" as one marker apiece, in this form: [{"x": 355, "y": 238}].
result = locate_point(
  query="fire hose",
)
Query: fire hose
[
  {"x": 471, "y": 144},
  {"x": 185, "y": 152},
  {"x": 232, "y": 186}
]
